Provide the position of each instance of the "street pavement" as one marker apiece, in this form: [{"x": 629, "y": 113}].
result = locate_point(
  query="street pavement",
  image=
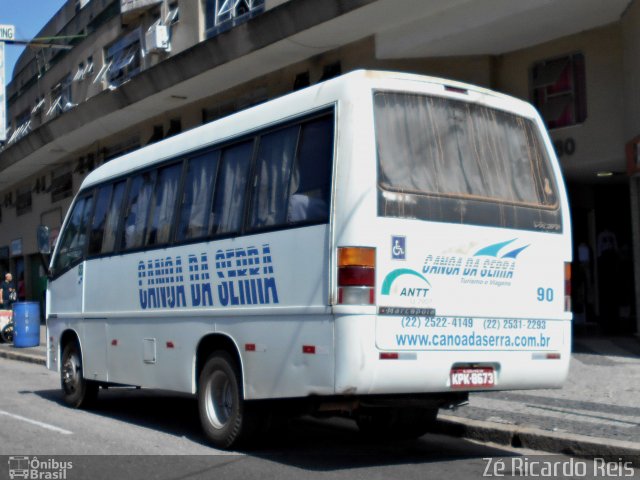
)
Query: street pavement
[{"x": 597, "y": 412}]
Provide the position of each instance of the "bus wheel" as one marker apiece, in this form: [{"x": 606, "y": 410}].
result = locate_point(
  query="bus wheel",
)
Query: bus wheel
[
  {"x": 77, "y": 392},
  {"x": 401, "y": 423},
  {"x": 224, "y": 415}
]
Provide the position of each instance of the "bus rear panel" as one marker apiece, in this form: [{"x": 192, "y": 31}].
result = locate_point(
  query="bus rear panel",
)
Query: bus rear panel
[{"x": 457, "y": 239}]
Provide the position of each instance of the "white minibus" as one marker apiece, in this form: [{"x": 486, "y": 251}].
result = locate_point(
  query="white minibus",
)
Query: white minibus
[{"x": 377, "y": 245}]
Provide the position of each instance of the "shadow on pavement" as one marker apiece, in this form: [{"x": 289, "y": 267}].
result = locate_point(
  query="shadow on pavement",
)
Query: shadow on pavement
[
  {"x": 306, "y": 443},
  {"x": 622, "y": 346}
]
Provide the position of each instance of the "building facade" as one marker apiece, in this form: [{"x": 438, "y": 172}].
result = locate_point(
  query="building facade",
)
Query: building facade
[{"x": 137, "y": 71}]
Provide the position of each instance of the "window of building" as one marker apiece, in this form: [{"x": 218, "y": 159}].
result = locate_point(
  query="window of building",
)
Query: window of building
[
  {"x": 39, "y": 105},
  {"x": 85, "y": 164},
  {"x": 23, "y": 200},
  {"x": 559, "y": 90},
  {"x": 8, "y": 200},
  {"x": 173, "y": 14},
  {"x": 122, "y": 60},
  {"x": 221, "y": 110},
  {"x": 88, "y": 69},
  {"x": 79, "y": 73},
  {"x": 80, "y": 4},
  {"x": 331, "y": 71},
  {"x": 36, "y": 112},
  {"x": 61, "y": 183},
  {"x": 61, "y": 99},
  {"x": 157, "y": 135},
  {"x": 126, "y": 146},
  {"x": 302, "y": 80},
  {"x": 175, "y": 127},
  {"x": 23, "y": 126},
  {"x": 41, "y": 185},
  {"x": 84, "y": 70},
  {"x": 222, "y": 15}
]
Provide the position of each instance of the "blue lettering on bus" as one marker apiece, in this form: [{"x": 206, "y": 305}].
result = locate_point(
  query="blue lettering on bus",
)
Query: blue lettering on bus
[
  {"x": 241, "y": 281},
  {"x": 160, "y": 283},
  {"x": 243, "y": 276},
  {"x": 488, "y": 262},
  {"x": 201, "y": 295}
]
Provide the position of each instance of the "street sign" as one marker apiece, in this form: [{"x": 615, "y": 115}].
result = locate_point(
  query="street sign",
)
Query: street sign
[
  {"x": 3, "y": 105},
  {"x": 7, "y": 32}
]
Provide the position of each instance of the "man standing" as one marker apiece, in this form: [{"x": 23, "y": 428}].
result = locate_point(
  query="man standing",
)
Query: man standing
[{"x": 8, "y": 293}]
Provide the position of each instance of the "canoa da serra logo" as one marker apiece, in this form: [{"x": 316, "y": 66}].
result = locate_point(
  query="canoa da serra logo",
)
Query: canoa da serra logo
[{"x": 493, "y": 264}]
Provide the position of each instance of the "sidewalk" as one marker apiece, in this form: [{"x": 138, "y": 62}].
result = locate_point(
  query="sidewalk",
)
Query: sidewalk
[
  {"x": 597, "y": 412},
  {"x": 31, "y": 354}
]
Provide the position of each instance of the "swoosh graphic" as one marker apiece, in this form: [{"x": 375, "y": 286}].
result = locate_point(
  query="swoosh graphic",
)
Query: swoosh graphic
[
  {"x": 492, "y": 250},
  {"x": 391, "y": 277},
  {"x": 514, "y": 253}
]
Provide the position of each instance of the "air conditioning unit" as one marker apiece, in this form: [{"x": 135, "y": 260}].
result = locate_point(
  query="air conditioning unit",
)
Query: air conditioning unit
[{"x": 157, "y": 39}]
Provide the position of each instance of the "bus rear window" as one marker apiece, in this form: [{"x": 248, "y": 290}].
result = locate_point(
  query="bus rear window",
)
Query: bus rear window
[{"x": 447, "y": 160}]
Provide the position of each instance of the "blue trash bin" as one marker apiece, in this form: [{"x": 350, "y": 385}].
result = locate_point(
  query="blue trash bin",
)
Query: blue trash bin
[{"x": 26, "y": 329}]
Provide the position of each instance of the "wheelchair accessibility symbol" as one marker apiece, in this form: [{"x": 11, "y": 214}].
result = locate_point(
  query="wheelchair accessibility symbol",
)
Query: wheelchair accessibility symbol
[{"x": 398, "y": 248}]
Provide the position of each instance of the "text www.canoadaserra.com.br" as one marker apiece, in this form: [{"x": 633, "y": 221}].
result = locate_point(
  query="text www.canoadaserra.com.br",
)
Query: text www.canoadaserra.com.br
[{"x": 472, "y": 340}]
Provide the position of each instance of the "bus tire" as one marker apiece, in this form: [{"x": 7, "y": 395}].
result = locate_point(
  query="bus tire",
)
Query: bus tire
[
  {"x": 399, "y": 423},
  {"x": 226, "y": 418},
  {"x": 77, "y": 392}
]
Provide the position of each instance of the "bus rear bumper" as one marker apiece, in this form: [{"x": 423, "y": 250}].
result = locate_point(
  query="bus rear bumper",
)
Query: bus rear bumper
[{"x": 363, "y": 368}]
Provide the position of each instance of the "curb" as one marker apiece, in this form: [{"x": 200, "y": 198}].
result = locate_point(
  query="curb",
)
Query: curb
[
  {"x": 22, "y": 356},
  {"x": 538, "y": 439}
]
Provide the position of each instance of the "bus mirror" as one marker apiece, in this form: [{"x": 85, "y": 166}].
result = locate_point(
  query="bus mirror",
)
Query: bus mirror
[{"x": 44, "y": 243}]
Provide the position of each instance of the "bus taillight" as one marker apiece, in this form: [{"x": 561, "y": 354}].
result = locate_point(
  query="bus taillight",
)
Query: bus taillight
[
  {"x": 567, "y": 286},
  {"x": 356, "y": 275}
]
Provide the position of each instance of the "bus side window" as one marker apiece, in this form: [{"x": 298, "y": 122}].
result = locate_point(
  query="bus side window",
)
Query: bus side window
[
  {"x": 96, "y": 234},
  {"x": 273, "y": 171},
  {"x": 163, "y": 205},
  {"x": 197, "y": 195},
  {"x": 310, "y": 187},
  {"x": 74, "y": 237},
  {"x": 137, "y": 210},
  {"x": 113, "y": 217},
  {"x": 231, "y": 185}
]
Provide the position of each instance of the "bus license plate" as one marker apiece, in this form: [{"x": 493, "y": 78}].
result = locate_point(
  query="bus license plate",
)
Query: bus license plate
[{"x": 472, "y": 377}]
